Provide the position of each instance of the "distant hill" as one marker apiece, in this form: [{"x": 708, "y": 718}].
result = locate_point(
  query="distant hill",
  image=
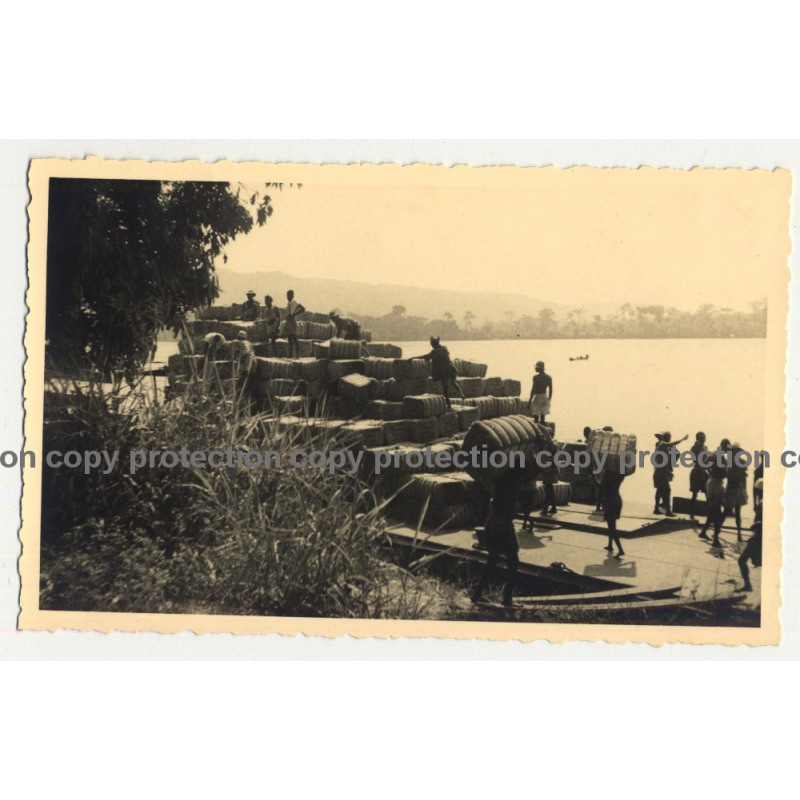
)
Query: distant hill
[{"x": 323, "y": 294}]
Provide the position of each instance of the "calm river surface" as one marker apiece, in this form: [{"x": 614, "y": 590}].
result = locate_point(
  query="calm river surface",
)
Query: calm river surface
[{"x": 637, "y": 386}]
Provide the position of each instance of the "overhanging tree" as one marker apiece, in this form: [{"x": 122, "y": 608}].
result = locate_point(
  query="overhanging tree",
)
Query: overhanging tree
[{"x": 127, "y": 258}]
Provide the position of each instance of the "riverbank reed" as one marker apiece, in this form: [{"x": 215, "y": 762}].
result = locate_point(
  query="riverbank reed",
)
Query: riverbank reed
[{"x": 287, "y": 541}]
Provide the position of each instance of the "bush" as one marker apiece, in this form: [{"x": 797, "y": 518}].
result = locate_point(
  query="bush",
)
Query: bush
[{"x": 285, "y": 541}]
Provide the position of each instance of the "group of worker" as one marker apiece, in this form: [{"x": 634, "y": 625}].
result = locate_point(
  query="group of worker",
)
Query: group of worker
[{"x": 724, "y": 483}]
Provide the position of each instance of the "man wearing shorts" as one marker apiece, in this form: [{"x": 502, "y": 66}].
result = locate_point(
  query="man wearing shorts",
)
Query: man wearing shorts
[
  {"x": 501, "y": 537},
  {"x": 715, "y": 495},
  {"x": 541, "y": 393}
]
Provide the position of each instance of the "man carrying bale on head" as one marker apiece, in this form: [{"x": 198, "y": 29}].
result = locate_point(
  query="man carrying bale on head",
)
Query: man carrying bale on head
[
  {"x": 501, "y": 536},
  {"x": 250, "y": 307},
  {"x": 442, "y": 369},
  {"x": 541, "y": 393}
]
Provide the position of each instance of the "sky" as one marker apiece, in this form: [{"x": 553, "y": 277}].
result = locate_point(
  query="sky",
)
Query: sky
[{"x": 578, "y": 237}]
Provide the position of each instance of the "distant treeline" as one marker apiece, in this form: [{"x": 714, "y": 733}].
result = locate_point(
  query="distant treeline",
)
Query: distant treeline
[{"x": 628, "y": 322}]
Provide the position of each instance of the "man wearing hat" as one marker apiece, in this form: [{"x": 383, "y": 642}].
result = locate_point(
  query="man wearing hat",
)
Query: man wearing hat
[
  {"x": 250, "y": 308},
  {"x": 662, "y": 475},
  {"x": 346, "y": 327},
  {"x": 541, "y": 393}
]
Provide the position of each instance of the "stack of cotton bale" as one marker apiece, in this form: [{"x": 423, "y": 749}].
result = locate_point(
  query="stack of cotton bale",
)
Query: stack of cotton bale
[{"x": 441, "y": 500}]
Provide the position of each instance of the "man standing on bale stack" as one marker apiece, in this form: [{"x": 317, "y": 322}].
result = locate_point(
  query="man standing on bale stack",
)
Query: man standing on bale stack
[
  {"x": 541, "y": 393},
  {"x": 250, "y": 308},
  {"x": 348, "y": 328},
  {"x": 442, "y": 369},
  {"x": 293, "y": 309}
]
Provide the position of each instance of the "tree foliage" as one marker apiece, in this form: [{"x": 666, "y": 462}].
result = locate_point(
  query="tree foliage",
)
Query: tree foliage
[
  {"x": 628, "y": 322},
  {"x": 126, "y": 258}
]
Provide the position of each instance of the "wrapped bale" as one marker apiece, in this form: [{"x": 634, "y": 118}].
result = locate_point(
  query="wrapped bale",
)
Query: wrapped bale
[
  {"x": 582, "y": 493},
  {"x": 302, "y": 330},
  {"x": 289, "y": 405},
  {"x": 376, "y": 349},
  {"x": 315, "y": 388},
  {"x": 385, "y": 410},
  {"x": 507, "y": 435},
  {"x": 191, "y": 346},
  {"x": 531, "y": 495},
  {"x": 320, "y": 349},
  {"x": 321, "y": 330},
  {"x": 309, "y": 368},
  {"x": 344, "y": 349},
  {"x": 363, "y": 434},
  {"x": 305, "y": 348},
  {"x": 506, "y": 406},
  {"x": 511, "y": 388},
  {"x": 278, "y": 386},
  {"x": 470, "y": 369},
  {"x": 357, "y": 387},
  {"x": 398, "y": 464},
  {"x": 343, "y": 408},
  {"x": 466, "y": 416},
  {"x": 423, "y": 406},
  {"x": 383, "y": 389},
  {"x": 316, "y": 317},
  {"x": 486, "y": 406},
  {"x": 381, "y": 368},
  {"x": 438, "y": 515},
  {"x": 397, "y": 390},
  {"x": 338, "y": 369},
  {"x": 392, "y": 351},
  {"x": 395, "y": 431},
  {"x": 423, "y": 430},
  {"x": 267, "y": 368},
  {"x": 266, "y": 350},
  {"x": 435, "y": 387},
  {"x": 471, "y": 387},
  {"x": 614, "y": 444},
  {"x": 322, "y": 426},
  {"x": 448, "y": 424},
  {"x": 218, "y": 369},
  {"x": 494, "y": 387},
  {"x": 447, "y": 488},
  {"x": 562, "y": 491},
  {"x": 405, "y": 368},
  {"x": 185, "y": 365}
]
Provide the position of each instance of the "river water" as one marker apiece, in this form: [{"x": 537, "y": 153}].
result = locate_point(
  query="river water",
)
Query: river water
[{"x": 637, "y": 386}]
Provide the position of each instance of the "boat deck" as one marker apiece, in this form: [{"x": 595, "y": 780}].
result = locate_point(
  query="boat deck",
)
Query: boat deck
[{"x": 672, "y": 560}]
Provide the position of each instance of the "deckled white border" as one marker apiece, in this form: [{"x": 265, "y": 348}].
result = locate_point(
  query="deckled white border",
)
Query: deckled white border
[{"x": 563, "y": 154}]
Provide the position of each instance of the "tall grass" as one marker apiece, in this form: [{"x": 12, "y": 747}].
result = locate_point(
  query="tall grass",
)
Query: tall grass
[{"x": 282, "y": 541}]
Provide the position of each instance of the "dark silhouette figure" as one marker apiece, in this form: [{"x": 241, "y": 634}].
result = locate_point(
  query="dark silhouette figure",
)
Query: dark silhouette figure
[
  {"x": 442, "y": 369},
  {"x": 541, "y": 393},
  {"x": 612, "y": 505},
  {"x": 501, "y": 538}
]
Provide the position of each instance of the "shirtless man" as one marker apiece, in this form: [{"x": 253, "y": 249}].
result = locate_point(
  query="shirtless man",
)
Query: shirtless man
[{"x": 541, "y": 393}]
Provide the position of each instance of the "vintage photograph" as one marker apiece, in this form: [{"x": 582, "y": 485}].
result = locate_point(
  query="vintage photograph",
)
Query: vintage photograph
[{"x": 378, "y": 400}]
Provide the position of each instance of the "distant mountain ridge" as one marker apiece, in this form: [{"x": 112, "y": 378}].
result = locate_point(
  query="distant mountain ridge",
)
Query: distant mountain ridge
[{"x": 323, "y": 294}]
